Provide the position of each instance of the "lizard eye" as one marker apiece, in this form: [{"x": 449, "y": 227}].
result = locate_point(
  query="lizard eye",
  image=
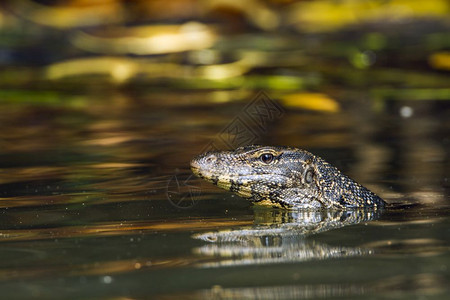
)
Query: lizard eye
[
  {"x": 266, "y": 158},
  {"x": 309, "y": 176}
]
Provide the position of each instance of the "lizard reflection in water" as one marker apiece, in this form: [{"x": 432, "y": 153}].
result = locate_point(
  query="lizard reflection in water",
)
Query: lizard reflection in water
[
  {"x": 279, "y": 236},
  {"x": 283, "y": 177}
]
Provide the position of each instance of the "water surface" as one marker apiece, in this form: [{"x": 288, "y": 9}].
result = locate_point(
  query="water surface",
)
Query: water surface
[{"x": 100, "y": 205}]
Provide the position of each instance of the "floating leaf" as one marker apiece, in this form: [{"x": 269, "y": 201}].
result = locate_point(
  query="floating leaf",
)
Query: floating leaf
[
  {"x": 310, "y": 101},
  {"x": 440, "y": 60}
]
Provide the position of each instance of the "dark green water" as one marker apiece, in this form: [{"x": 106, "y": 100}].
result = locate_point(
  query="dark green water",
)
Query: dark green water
[{"x": 97, "y": 202}]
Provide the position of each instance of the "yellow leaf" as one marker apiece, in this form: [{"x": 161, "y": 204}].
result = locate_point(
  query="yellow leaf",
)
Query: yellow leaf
[
  {"x": 440, "y": 60},
  {"x": 310, "y": 101}
]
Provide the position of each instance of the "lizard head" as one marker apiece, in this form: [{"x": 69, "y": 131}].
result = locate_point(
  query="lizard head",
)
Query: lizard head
[{"x": 275, "y": 176}]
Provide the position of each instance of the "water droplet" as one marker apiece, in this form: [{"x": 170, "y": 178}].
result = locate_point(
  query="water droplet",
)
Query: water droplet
[
  {"x": 107, "y": 279},
  {"x": 406, "y": 112}
]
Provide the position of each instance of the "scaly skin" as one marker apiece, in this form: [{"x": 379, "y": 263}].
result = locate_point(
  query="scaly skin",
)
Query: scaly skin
[{"x": 283, "y": 177}]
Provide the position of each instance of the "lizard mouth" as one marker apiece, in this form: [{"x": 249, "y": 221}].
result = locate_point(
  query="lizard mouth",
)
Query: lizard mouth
[
  {"x": 270, "y": 203},
  {"x": 202, "y": 172},
  {"x": 196, "y": 171}
]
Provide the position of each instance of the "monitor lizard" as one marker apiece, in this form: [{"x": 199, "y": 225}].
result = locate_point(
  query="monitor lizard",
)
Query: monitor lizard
[{"x": 284, "y": 177}]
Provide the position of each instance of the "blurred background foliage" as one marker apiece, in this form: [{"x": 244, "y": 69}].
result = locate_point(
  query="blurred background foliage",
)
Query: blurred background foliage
[{"x": 301, "y": 50}]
